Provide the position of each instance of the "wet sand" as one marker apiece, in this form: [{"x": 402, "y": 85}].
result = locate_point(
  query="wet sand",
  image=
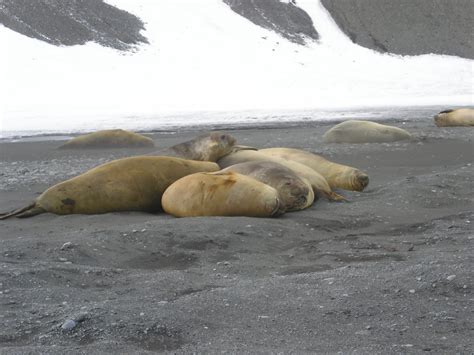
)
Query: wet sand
[{"x": 388, "y": 272}]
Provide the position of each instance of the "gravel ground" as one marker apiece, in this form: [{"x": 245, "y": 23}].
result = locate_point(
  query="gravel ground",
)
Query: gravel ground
[{"x": 389, "y": 272}]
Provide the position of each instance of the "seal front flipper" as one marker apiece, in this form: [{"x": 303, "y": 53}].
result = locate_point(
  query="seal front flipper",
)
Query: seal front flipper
[
  {"x": 332, "y": 196},
  {"x": 28, "y": 211}
]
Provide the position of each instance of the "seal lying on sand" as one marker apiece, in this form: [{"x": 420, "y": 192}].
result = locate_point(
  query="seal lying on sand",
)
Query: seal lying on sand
[
  {"x": 318, "y": 182},
  {"x": 355, "y": 131},
  {"x": 295, "y": 193},
  {"x": 112, "y": 138},
  {"x": 221, "y": 194},
  {"x": 129, "y": 184},
  {"x": 338, "y": 176},
  {"x": 207, "y": 147},
  {"x": 452, "y": 118}
]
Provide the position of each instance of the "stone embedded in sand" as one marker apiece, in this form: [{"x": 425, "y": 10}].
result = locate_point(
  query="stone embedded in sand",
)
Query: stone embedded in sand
[
  {"x": 69, "y": 325},
  {"x": 66, "y": 245}
]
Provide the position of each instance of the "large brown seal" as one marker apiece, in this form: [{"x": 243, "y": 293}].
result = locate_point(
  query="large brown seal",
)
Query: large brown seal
[
  {"x": 318, "y": 182},
  {"x": 220, "y": 194},
  {"x": 206, "y": 147},
  {"x": 112, "y": 138},
  {"x": 355, "y": 131},
  {"x": 295, "y": 193},
  {"x": 452, "y": 118},
  {"x": 338, "y": 176},
  {"x": 129, "y": 184}
]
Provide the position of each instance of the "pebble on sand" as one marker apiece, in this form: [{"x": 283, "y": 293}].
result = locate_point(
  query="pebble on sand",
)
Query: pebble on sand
[
  {"x": 67, "y": 245},
  {"x": 69, "y": 325}
]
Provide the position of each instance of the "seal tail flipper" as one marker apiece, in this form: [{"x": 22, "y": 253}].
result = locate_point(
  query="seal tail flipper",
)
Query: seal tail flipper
[
  {"x": 22, "y": 211},
  {"x": 31, "y": 212}
]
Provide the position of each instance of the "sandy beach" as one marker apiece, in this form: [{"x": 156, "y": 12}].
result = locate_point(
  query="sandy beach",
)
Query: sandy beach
[{"x": 389, "y": 272}]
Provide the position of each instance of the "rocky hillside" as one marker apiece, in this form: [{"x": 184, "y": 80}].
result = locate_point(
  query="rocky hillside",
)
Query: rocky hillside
[
  {"x": 71, "y": 22},
  {"x": 408, "y": 27},
  {"x": 284, "y": 18}
]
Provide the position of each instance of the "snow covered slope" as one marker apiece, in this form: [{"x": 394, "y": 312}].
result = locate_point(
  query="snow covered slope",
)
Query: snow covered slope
[{"x": 202, "y": 56}]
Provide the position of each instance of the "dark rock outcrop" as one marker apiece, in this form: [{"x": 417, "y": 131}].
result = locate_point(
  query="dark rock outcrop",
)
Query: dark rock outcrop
[
  {"x": 408, "y": 27},
  {"x": 72, "y": 22},
  {"x": 286, "y": 19}
]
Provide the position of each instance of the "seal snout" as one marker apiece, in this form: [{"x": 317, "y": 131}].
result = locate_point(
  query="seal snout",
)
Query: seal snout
[
  {"x": 362, "y": 181},
  {"x": 440, "y": 117}
]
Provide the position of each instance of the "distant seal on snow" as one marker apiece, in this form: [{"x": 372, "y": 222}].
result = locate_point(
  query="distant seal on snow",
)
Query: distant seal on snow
[
  {"x": 355, "y": 131},
  {"x": 129, "y": 184},
  {"x": 452, "y": 118},
  {"x": 318, "y": 182},
  {"x": 111, "y": 138},
  {"x": 337, "y": 175},
  {"x": 295, "y": 193},
  {"x": 207, "y": 147},
  {"x": 221, "y": 194}
]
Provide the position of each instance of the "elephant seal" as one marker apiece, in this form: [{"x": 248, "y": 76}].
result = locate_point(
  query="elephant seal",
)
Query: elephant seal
[
  {"x": 221, "y": 194},
  {"x": 207, "y": 147},
  {"x": 128, "y": 184},
  {"x": 318, "y": 182},
  {"x": 112, "y": 138},
  {"x": 452, "y": 118},
  {"x": 337, "y": 175},
  {"x": 355, "y": 131},
  {"x": 295, "y": 193}
]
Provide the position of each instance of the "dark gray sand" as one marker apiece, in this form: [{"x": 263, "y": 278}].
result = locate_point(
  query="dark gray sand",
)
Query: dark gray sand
[{"x": 389, "y": 272}]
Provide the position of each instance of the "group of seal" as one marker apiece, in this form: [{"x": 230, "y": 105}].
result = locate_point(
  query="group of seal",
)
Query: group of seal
[
  {"x": 208, "y": 175},
  {"x": 356, "y": 131},
  {"x": 211, "y": 175},
  {"x": 128, "y": 184}
]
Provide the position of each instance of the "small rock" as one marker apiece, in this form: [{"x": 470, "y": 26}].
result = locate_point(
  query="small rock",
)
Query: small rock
[
  {"x": 411, "y": 291},
  {"x": 67, "y": 245},
  {"x": 62, "y": 259},
  {"x": 451, "y": 277},
  {"x": 69, "y": 325}
]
